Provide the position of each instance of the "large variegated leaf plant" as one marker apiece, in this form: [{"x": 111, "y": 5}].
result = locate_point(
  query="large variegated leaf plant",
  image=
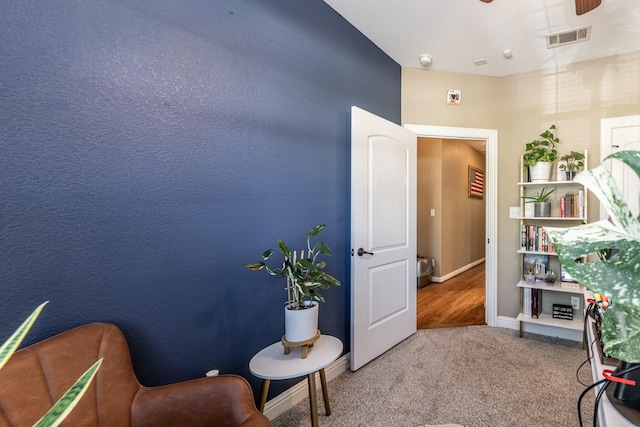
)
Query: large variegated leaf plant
[
  {"x": 617, "y": 277},
  {"x": 65, "y": 404}
]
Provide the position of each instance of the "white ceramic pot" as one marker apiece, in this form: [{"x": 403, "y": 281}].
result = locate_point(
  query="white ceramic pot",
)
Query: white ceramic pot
[
  {"x": 540, "y": 172},
  {"x": 301, "y": 325}
]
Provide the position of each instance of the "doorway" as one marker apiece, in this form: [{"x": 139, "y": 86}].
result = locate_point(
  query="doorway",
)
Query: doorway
[
  {"x": 451, "y": 231},
  {"x": 490, "y": 138}
]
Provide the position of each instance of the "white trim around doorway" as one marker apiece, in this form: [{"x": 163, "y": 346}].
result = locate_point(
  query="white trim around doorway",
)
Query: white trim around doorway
[{"x": 490, "y": 136}]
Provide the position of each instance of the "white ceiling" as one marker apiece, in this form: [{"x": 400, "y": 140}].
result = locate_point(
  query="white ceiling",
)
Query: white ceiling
[{"x": 457, "y": 32}]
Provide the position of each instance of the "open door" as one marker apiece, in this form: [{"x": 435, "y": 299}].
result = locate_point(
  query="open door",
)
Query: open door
[{"x": 383, "y": 235}]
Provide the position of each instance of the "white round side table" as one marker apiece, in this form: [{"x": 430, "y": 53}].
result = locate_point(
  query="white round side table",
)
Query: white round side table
[{"x": 272, "y": 364}]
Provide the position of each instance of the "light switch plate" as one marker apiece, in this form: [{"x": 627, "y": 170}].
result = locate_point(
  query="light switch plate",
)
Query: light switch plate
[
  {"x": 575, "y": 303},
  {"x": 514, "y": 212}
]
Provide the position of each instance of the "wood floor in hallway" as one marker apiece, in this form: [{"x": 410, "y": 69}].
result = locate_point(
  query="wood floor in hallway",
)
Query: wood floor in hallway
[{"x": 457, "y": 302}]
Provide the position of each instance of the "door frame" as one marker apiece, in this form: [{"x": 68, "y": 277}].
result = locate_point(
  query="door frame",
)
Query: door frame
[
  {"x": 606, "y": 129},
  {"x": 490, "y": 136}
]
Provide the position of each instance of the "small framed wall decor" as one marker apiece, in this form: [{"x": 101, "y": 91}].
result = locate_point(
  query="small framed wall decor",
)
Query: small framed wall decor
[
  {"x": 476, "y": 182},
  {"x": 453, "y": 97}
]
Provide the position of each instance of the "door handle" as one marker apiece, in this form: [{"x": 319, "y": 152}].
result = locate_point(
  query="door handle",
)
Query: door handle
[{"x": 362, "y": 252}]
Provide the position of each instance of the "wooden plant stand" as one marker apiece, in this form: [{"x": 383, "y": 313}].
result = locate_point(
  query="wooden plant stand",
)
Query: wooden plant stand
[{"x": 306, "y": 344}]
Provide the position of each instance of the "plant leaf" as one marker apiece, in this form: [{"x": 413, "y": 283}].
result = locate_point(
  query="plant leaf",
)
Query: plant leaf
[
  {"x": 10, "y": 346},
  {"x": 315, "y": 230},
  {"x": 284, "y": 249},
  {"x": 256, "y": 266},
  {"x": 69, "y": 400},
  {"x": 307, "y": 264},
  {"x": 604, "y": 187},
  {"x": 266, "y": 254},
  {"x": 617, "y": 277},
  {"x": 323, "y": 248},
  {"x": 621, "y": 332}
]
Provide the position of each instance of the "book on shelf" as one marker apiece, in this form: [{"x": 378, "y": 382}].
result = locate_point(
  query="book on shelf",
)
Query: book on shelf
[
  {"x": 562, "y": 311},
  {"x": 536, "y": 303},
  {"x": 536, "y": 264},
  {"x": 526, "y": 302}
]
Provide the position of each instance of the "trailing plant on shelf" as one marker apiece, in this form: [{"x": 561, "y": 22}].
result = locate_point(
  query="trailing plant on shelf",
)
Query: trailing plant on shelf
[
  {"x": 70, "y": 399},
  {"x": 573, "y": 161},
  {"x": 303, "y": 274},
  {"x": 542, "y": 149},
  {"x": 617, "y": 274},
  {"x": 541, "y": 196}
]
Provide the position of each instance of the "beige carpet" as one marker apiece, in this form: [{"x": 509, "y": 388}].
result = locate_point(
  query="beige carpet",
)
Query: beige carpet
[{"x": 472, "y": 376}]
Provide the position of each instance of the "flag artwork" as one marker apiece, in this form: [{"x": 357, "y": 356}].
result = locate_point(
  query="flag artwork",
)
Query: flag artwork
[{"x": 476, "y": 182}]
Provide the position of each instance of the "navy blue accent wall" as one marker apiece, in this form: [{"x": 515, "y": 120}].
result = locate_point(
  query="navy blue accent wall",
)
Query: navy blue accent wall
[{"x": 151, "y": 149}]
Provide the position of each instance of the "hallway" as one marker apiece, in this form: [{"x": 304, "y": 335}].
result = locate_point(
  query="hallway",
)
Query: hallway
[{"x": 457, "y": 302}]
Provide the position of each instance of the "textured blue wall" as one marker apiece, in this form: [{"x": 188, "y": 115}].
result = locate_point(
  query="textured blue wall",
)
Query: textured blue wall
[{"x": 151, "y": 149}]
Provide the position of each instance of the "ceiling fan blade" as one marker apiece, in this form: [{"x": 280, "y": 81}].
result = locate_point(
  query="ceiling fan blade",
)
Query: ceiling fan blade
[
  {"x": 486, "y": 1},
  {"x": 584, "y": 6}
]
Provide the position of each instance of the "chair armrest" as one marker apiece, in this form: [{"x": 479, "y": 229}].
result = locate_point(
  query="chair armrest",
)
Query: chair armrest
[{"x": 221, "y": 401}]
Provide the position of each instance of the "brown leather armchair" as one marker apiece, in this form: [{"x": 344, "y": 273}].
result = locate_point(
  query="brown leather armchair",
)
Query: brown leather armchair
[{"x": 38, "y": 375}]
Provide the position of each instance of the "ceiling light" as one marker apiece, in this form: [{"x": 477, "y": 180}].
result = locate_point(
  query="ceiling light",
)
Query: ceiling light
[
  {"x": 480, "y": 61},
  {"x": 507, "y": 53},
  {"x": 426, "y": 60}
]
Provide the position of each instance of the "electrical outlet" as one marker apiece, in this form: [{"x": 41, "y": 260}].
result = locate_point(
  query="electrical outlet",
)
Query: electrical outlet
[
  {"x": 514, "y": 212},
  {"x": 575, "y": 303}
]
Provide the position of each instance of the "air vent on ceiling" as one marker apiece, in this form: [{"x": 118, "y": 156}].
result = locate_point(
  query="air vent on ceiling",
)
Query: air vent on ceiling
[{"x": 568, "y": 37}]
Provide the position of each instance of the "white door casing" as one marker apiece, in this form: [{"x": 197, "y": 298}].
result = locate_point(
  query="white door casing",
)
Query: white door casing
[
  {"x": 618, "y": 134},
  {"x": 383, "y": 228},
  {"x": 490, "y": 136}
]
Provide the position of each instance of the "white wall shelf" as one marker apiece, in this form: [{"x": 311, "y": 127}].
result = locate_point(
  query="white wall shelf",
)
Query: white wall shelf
[{"x": 558, "y": 292}]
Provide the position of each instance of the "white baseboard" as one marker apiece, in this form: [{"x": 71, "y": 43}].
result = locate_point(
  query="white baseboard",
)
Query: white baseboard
[
  {"x": 292, "y": 396},
  {"x": 550, "y": 331},
  {"x": 446, "y": 277}
]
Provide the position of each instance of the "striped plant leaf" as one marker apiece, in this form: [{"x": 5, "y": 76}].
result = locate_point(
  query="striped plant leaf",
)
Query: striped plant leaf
[
  {"x": 68, "y": 401},
  {"x": 617, "y": 277},
  {"x": 9, "y": 347}
]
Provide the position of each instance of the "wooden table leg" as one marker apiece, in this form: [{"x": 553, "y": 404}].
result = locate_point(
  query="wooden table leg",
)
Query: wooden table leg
[
  {"x": 313, "y": 403},
  {"x": 325, "y": 393},
  {"x": 263, "y": 394}
]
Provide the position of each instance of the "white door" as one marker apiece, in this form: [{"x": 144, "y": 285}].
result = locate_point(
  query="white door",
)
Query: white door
[
  {"x": 622, "y": 133},
  {"x": 383, "y": 235}
]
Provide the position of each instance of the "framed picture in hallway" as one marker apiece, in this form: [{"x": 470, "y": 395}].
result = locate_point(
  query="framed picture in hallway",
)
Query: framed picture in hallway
[{"x": 476, "y": 182}]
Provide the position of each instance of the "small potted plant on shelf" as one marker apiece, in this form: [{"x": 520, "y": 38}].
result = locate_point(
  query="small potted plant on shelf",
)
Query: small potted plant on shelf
[
  {"x": 615, "y": 275},
  {"x": 542, "y": 205},
  {"x": 304, "y": 278},
  {"x": 572, "y": 164},
  {"x": 540, "y": 153}
]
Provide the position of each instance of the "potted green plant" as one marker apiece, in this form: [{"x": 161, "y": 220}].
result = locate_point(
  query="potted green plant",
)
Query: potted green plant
[
  {"x": 305, "y": 279},
  {"x": 540, "y": 153},
  {"x": 572, "y": 163},
  {"x": 616, "y": 275},
  {"x": 542, "y": 205}
]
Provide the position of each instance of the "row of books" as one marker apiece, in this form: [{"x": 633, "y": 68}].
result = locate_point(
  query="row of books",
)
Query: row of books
[
  {"x": 572, "y": 205},
  {"x": 534, "y": 238}
]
